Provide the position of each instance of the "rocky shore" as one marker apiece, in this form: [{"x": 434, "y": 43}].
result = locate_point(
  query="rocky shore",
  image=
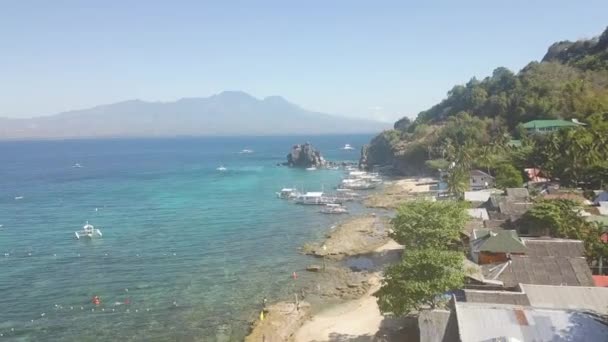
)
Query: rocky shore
[
  {"x": 357, "y": 236},
  {"x": 332, "y": 281}
]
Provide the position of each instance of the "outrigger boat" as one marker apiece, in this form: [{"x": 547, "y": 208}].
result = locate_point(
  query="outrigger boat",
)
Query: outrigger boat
[
  {"x": 316, "y": 198},
  {"x": 334, "y": 209},
  {"x": 287, "y": 193},
  {"x": 88, "y": 231}
]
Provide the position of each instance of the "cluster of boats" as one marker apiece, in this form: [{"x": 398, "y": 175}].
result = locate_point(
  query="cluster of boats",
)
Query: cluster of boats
[
  {"x": 360, "y": 180},
  {"x": 333, "y": 204}
]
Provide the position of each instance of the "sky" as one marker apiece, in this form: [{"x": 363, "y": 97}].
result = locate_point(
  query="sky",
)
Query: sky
[{"x": 374, "y": 59}]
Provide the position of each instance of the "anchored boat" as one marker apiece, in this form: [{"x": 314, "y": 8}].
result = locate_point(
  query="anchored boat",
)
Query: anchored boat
[
  {"x": 334, "y": 209},
  {"x": 88, "y": 231}
]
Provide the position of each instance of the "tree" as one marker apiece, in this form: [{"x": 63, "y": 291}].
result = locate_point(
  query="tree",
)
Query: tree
[
  {"x": 426, "y": 224},
  {"x": 419, "y": 280},
  {"x": 507, "y": 176}
]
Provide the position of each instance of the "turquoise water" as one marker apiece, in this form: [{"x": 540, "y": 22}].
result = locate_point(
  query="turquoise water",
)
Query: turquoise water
[{"x": 187, "y": 252}]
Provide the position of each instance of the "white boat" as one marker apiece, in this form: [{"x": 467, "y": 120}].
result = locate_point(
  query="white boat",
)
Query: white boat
[
  {"x": 221, "y": 168},
  {"x": 77, "y": 166},
  {"x": 312, "y": 168},
  {"x": 88, "y": 231},
  {"x": 316, "y": 198},
  {"x": 246, "y": 151},
  {"x": 334, "y": 209},
  {"x": 18, "y": 198},
  {"x": 287, "y": 193},
  {"x": 347, "y": 147}
]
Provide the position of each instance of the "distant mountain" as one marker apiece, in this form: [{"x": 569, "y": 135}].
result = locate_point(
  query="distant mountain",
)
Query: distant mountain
[{"x": 227, "y": 113}]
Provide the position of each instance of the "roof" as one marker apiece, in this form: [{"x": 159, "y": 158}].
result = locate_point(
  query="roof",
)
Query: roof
[
  {"x": 478, "y": 213},
  {"x": 473, "y": 271},
  {"x": 554, "y": 247},
  {"x": 497, "y": 297},
  {"x": 477, "y": 196},
  {"x": 548, "y": 123},
  {"x": 514, "y": 208},
  {"x": 600, "y": 281},
  {"x": 505, "y": 241},
  {"x": 540, "y": 270},
  {"x": 313, "y": 194},
  {"x": 500, "y": 322},
  {"x": 568, "y": 297},
  {"x": 480, "y": 173},
  {"x": 517, "y": 194},
  {"x": 567, "y": 195}
]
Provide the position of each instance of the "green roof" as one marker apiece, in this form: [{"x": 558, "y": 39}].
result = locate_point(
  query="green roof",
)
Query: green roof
[
  {"x": 548, "y": 123},
  {"x": 505, "y": 241}
]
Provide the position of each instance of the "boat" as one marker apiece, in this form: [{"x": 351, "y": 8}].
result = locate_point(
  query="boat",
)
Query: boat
[
  {"x": 88, "y": 231},
  {"x": 312, "y": 168},
  {"x": 221, "y": 168},
  {"x": 287, "y": 193},
  {"x": 316, "y": 198},
  {"x": 77, "y": 166},
  {"x": 246, "y": 151},
  {"x": 18, "y": 198},
  {"x": 334, "y": 209},
  {"x": 347, "y": 147},
  {"x": 357, "y": 184}
]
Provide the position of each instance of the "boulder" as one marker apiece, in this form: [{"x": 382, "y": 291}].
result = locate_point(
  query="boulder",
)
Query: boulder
[
  {"x": 313, "y": 268},
  {"x": 305, "y": 156}
]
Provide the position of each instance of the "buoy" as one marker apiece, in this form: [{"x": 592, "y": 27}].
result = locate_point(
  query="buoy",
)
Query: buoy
[
  {"x": 113, "y": 310},
  {"x": 126, "y": 290},
  {"x": 294, "y": 275},
  {"x": 102, "y": 309},
  {"x": 96, "y": 300},
  {"x": 42, "y": 314},
  {"x": 262, "y": 315}
]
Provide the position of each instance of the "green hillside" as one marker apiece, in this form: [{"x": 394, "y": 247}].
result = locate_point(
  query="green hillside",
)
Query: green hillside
[{"x": 571, "y": 82}]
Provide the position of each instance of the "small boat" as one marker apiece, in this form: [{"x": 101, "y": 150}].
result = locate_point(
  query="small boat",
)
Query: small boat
[
  {"x": 246, "y": 151},
  {"x": 287, "y": 193},
  {"x": 316, "y": 198},
  {"x": 347, "y": 147},
  {"x": 88, "y": 231},
  {"x": 312, "y": 168},
  {"x": 77, "y": 166},
  {"x": 334, "y": 209},
  {"x": 18, "y": 198},
  {"x": 221, "y": 168}
]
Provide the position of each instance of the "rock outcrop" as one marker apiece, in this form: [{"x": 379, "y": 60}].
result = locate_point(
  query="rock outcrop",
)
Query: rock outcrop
[{"x": 305, "y": 156}]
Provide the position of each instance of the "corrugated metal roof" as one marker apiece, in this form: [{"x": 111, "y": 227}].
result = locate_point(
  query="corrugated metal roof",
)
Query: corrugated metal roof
[
  {"x": 505, "y": 241},
  {"x": 477, "y": 196},
  {"x": 554, "y": 247},
  {"x": 497, "y": 297},
  {"x": 548, "y": 123},
  {"x": 478, "y": 213},
  {"x": 568, "y": 297},
  {"x": 487, "y": 322},
  {"x": 518, "y": 194}
]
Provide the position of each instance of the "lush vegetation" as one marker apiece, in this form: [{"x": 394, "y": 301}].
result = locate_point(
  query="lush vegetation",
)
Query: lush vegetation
[
  {"x": 561, "y": 219},
  {"x": 419, "y": 280},
  {"x": 473, "y": 126},
  {"x": 431, "y": 264}
]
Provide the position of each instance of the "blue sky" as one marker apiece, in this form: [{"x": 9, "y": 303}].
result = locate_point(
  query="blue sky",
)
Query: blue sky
[{"x": 375, "y": 59}]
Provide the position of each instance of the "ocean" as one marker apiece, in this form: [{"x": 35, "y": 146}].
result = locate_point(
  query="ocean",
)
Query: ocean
[{"x": 188, "y": 252}]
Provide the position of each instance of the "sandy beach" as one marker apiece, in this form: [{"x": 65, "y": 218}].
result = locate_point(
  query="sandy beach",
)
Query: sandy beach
[{"x": 398, "y": 191}]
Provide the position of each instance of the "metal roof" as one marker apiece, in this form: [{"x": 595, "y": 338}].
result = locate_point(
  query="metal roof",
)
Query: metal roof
[
  {"x": 548, "y": 123},
  {"x": 477, "y": 196},
  {"x": 568, "y": 297},
  {"x": 554, "y": 247},
  {"x": 478, "y": 213},
  {"x": 495, "y": 322},
  {"x": 541, "y": 270},
  {"x": 518, "y": 194},
  {"x": 505, "y": 241}
]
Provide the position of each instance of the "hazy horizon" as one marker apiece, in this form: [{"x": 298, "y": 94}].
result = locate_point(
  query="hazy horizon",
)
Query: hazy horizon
[{"x": 379, "y": 61}]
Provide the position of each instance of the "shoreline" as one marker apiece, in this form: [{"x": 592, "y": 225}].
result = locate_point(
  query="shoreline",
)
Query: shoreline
[{"x": 355, "y": 314}]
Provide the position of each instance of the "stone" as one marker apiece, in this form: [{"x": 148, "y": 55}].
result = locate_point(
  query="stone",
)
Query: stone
[
  {"x": 305, "y": 156},
  {"x": 314, "y": 268}
]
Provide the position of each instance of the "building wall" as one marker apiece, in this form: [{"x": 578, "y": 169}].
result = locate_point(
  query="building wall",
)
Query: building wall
[{"x": 490, "y": 258}]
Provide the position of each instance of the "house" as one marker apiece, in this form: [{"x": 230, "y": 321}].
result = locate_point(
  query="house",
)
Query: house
[
  {"x": 600, "y": 281},
  {"x": 553, "y": 247},
  {"x": 540, "y": 270},
  {"x": 517, "y": 194},
  {"x": 591, "y": 299},
  {"x": 484, "y": 322},
  {"x": 481, "y": 180},
  {"x": 545, "y": 126},
  {"x": 489, "y": 247}
]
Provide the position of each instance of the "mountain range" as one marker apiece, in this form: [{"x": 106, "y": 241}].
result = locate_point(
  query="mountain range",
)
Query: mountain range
[{"x": 227, "y": 113}]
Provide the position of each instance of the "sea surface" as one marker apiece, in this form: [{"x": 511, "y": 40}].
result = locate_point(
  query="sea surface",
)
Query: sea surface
[{"x": 188, "y": 252}]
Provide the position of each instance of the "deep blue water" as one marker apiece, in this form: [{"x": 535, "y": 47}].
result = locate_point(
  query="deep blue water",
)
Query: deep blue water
[{"x": 192, "y": 251}]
